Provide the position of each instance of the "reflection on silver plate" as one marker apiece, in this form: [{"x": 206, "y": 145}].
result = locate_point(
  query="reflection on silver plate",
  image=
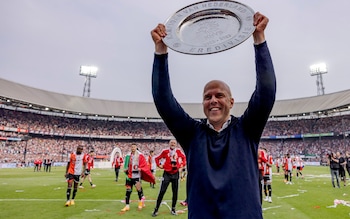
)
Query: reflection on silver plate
[{"x": 209, "y": 27}]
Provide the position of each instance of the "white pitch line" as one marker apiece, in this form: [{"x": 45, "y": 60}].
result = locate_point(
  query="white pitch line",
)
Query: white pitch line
[
  {"x": 80, "y": 200},
  {"x": 289, "y": 196},
  {"x": 264, "y": 209},
  {"x": 166, "y": 204}
]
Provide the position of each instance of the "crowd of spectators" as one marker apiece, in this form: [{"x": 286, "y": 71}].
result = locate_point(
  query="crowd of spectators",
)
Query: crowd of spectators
[{"x": 52, "y": 144}]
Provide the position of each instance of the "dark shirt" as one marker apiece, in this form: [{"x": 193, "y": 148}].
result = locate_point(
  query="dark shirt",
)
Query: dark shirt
[
  {"x": 217, "y": 187},
  {"x": 341, "y": 160},
  {"x": 334, "y": 165}
]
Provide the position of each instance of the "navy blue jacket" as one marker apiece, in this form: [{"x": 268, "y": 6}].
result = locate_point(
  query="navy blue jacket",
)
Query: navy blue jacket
[{"x": 223, "y": 178}]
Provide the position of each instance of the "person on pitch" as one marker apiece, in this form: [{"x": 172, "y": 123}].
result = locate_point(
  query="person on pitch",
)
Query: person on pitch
[{"x": 217, "y": 147}]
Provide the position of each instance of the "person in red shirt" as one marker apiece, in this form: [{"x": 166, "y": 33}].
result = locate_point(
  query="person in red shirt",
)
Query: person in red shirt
[
  {"x": 87, "y": 173},
  {"x": 118, "y": 160},
  {"x": 262, "y": 160},
  {"x": 36, "y": 165},
  {"x": 75, "y": 168},
  {"x": 288, "y": 165},
  {"x": 268, "y": 177},
  {"x": 152, "y": 165},
  {"x": 40, "y": 164},
  {"x": 174, "y": 159}
]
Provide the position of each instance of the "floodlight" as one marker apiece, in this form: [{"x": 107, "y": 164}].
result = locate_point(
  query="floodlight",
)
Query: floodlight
[
  {"x": 317, "y": 69},
  {"x": 89, "y": 71}
]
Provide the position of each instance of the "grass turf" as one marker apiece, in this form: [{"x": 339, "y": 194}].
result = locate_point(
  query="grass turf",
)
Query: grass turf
[{"x": 28, "y": 194}]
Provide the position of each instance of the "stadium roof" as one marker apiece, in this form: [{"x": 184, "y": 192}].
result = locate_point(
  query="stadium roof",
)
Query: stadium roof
[{"x": 24, "y": 96}]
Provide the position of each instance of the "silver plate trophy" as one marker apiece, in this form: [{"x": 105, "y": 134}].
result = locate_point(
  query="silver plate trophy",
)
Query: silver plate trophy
[{"x": 209, "y": 27}]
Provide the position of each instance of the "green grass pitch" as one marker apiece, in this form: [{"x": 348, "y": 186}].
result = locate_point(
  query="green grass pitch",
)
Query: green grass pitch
[{"x": 28, "y": 194}]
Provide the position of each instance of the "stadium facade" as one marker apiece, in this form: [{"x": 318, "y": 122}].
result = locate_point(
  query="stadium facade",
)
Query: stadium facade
[{"x": 21, "y": 96}]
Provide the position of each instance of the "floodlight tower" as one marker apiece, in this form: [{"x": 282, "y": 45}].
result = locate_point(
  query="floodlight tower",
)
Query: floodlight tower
[
  {"x": 89, "y": 72},
  {"x": 318, "y": 70}
]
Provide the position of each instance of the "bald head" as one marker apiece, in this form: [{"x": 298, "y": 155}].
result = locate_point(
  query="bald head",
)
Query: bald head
[
  {"x": 217, "y": 103},
  {"x": 217, "y": 84}
]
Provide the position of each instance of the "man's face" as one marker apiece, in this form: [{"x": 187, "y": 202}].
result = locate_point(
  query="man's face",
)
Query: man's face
[
  {"x": 133, "y": 148},
  {"x": 79, "y": 149},
  {"x": 217, "y": 102},
  {"x": 172, "y": 144}
]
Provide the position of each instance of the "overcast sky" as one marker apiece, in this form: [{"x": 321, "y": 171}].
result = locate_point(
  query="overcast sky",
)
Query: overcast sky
[{"x": 44, "y": 43}]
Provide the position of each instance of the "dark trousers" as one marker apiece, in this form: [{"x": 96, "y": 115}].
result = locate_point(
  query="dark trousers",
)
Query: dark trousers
[
  {"x": 167, "y": 179},
  {"x": 260, "y": 185},
  {"x": 116, "y": 169}
]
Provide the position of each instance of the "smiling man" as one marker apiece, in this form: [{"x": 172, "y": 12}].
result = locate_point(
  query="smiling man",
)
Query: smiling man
[
  {"x": 217, "y": 103},
  {"x": 219, "y": 146}
]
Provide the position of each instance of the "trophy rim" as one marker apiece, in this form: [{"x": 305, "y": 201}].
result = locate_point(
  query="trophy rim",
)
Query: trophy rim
[{"x": 221, "y": 10}]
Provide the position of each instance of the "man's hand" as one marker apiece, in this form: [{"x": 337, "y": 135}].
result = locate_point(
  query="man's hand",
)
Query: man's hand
[
  {"x": 158, "y": 34},
  {"x": 260, "y": 23}
]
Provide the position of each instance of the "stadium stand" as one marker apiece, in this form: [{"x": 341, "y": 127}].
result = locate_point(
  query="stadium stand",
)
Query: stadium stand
[{"x": 40, "y": 124}]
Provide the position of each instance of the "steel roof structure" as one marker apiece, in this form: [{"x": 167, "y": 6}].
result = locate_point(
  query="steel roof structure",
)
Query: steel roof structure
[{"x": 20, "y": 95}]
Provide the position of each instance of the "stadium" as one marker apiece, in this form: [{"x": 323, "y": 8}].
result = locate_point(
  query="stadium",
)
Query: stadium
[
  {"x": 38, "y": 124},
  {"x": 32, "y": 118}
]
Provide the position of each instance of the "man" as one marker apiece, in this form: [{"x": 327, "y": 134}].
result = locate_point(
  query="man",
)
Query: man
[
  {"x": 288, "y": 169},
  {"x": 36, "y": 165},
  {"x": 268, "y": 177},
  {"x": 136, "y": 168},
  {"x": 347, "y": 159},
  {"x": 299, "y": 163},
  {"x": 75, "y": 168},
  {"x": 262, "y": 160},
  {"x": 48, "y": 165},
  {"x": 342, "y": 167},
  {"x": 334, "y": 165},
  {"x": 174, "y": 159},
  {"x": 118, "y": 160},
  {"x": 152, "y": 165},
  {"x": 87, "y": 173},
  {"x": 219, "y": 146}
]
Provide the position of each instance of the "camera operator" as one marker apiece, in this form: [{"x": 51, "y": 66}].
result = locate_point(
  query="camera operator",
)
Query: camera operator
[{"x": 334, "y": 166}]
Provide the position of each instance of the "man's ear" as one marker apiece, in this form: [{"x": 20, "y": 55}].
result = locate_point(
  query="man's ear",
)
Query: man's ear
[{"x": 232, "y": 102}]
